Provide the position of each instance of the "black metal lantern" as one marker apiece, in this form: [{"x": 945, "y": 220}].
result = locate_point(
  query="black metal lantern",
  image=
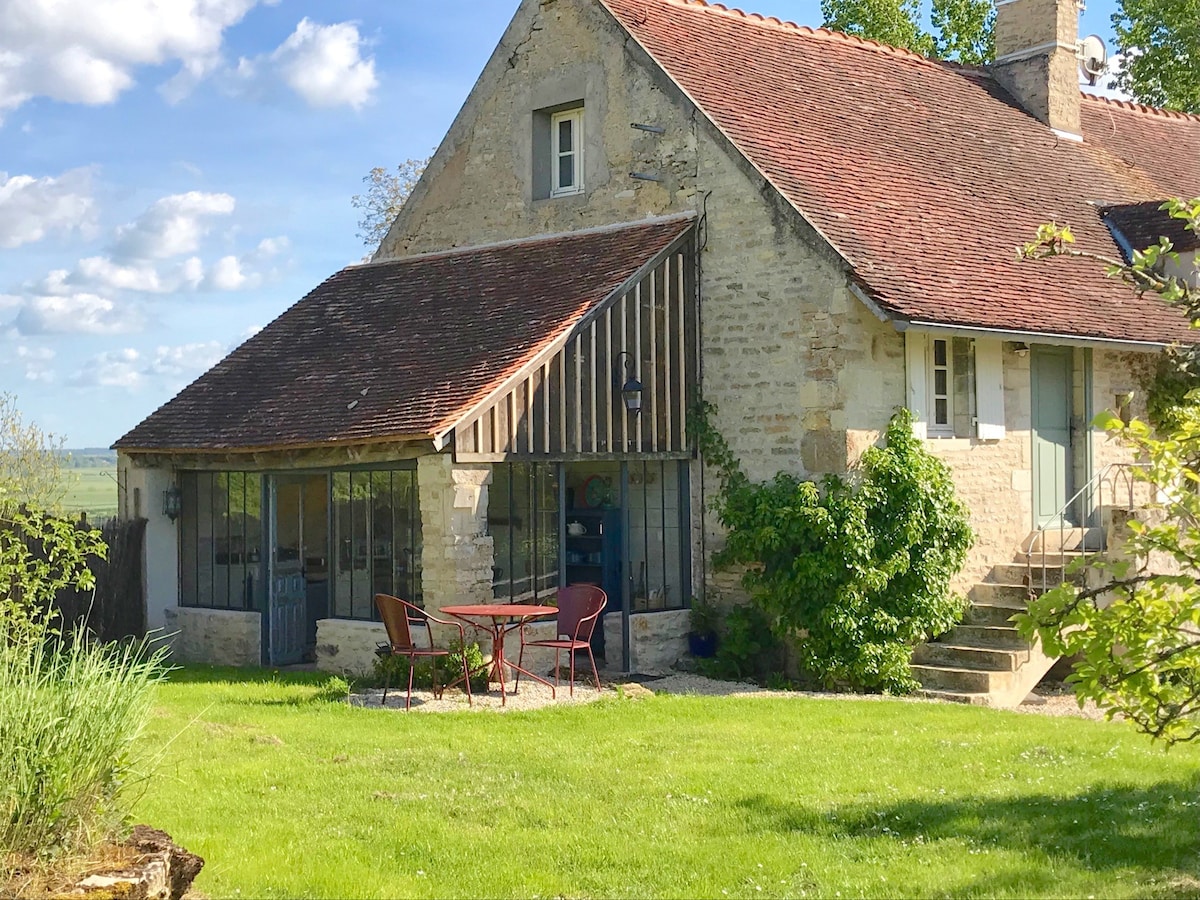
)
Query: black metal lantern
[
  {"x": 172, "y": 502},
  {"x": 631, "y": 390}
]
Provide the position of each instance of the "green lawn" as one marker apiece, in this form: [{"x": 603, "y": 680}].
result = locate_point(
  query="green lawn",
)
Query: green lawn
[
  {"x": 93, "y": 491},
  {"x": 288, "y": 795}
]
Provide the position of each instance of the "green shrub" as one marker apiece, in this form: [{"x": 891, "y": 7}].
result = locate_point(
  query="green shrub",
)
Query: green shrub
[
  {"x": 747, "y": 647},
  {"x": 855, "y": 571},
  {"x": 393, "y": 670},
  {"x": 71, "y": 711}
]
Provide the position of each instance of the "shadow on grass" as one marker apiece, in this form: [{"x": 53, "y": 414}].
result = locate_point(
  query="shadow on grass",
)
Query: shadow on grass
[
  {"x": 1101, "y": 828},
  {"x": 198, "y": 674}
]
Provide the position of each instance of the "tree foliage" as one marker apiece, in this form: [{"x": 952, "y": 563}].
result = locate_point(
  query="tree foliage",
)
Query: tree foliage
[
  {"x": 385, "y": 195},
  {"x": 962, "y": 29},
  {"x": 31, "y": 461},
  {"x": 1138, "y": 631},
  {"x": 1160, "y": 46},
  {"x": 855, "y": 571}
]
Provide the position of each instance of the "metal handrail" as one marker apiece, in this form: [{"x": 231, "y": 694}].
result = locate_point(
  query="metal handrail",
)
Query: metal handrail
[{"x": 1090, "y": 501}]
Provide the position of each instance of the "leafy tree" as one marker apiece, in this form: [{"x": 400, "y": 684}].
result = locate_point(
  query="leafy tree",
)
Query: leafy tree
[
  {"x": 1138, "y": 631},
  {"x": 962, "y": 29},
  {"x": 385, "y": 195},
  {"x": 1160, "y": 43},
  {"x": 31, "y": 461},
  {"x": 856, "y": 571}
]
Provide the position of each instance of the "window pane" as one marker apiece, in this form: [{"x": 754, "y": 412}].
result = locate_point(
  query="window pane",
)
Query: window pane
[
  {"x": 939, "y": 353},
  {"x": 382, "y": 549},
  {"x": 939, "y": 382},
  {"x": 344, "y": 542},
  {"x": 565, "y": 130},
  {"x": 188, "y": 521},
  {"x": 566, "y": 171},
  {"x": 940, "y": 414},
  {"x": 252, "y": 537}
]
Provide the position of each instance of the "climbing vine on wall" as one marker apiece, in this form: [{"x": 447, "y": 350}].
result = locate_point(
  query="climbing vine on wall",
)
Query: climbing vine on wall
[{"x": 853, "y": 571}]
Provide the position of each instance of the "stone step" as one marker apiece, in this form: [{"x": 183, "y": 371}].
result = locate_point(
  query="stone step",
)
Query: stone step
[
  {"x": 1069, "y": 539},
  {"x": 961, "y": 681},
  {"x": 1015, "y": 595},
  {"x": 957, "y": 656},
  {"x": 996, "y": 615},
  {"x": 1019, "y": 573},
  {"x": 1004, "y": 637}
]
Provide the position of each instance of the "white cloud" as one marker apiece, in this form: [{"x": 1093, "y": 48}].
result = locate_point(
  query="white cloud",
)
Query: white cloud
[
  {"x": 31, "y": 208},
  {"x": 36, "y": 362},
  {"x": 321, "y": 63},
  {"x": 81, "y": 313},
  {"x": 131, "y": 369},
  {"x": 87, "y": 51},
  {"x": 115, "y": 368},
  {"x": 173, "y": 225}
]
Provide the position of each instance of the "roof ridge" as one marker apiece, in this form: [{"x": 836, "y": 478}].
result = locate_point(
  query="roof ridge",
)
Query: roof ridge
[
  {"x": 1146, "y": 108},
  {"x": 531, "y": 239},
  {"x": 823, "y": 33}
]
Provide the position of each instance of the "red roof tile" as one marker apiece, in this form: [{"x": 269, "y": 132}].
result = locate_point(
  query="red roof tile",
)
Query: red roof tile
[
  {"x": 925, "y": 175},
  {"x": 401, "y": 348}
]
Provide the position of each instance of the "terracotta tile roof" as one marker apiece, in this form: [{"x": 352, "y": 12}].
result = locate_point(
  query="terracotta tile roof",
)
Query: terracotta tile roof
[
  {"x": 401, "y": 348},
  {"x": 1142, "y": 224},
  {"x": 924, "y": 175}
]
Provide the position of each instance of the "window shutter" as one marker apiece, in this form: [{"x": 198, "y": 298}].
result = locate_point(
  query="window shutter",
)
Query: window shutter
[
  {"x": 914, "y": 365},
  {"x": 989, "y": 390}
]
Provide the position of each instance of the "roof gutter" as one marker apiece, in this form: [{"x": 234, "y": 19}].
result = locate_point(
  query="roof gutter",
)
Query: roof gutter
[{"x": 1036, "y": 337}]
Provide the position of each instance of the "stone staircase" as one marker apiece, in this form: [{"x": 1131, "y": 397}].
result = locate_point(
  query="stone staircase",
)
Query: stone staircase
[{"x": 984, "y": 660}]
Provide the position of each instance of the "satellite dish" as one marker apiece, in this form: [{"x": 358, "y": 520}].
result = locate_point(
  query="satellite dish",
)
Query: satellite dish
[{"x": 1093, "y": 57}]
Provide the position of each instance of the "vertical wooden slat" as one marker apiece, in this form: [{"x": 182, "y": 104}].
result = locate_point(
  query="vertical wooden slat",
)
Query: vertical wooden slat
[
  {"x": 512, "y": 422},
  {"x": 530, "y": 428},
  {"x": 477, "y": 428},
  {"x": 562, "y": 400},
  {"x": 668, "y": 291},
  {"x": 620, "y": 374},
  {"x": 608, "y": 390},
  {"x": 637, "y": 344},
  {"x": 578, "y": 448},
  {"x": 595, "y": 389},
  {"x": 684, "y": 357},
  {"x": 652, "y": 382},
  {"x": 546, "y": 406},
  {"x": 495, "y": 430}
]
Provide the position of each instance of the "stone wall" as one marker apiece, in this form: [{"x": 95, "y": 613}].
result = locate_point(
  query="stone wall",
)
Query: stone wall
[
  {"x": 457, "y": 552},
  {"x": 347, "y": 646},
  {"x": 219, "y": 637}
]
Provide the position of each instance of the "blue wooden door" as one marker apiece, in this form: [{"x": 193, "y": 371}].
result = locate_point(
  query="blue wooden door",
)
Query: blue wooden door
[
  {"x": 286, "y": 620},
  {"x": 1050, "y": 382}
]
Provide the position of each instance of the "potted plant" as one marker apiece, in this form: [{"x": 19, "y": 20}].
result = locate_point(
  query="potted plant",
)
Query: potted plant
[{"x": 703, "y": 620}]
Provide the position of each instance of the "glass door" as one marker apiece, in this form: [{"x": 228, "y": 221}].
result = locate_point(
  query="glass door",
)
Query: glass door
[{"x": 299, "y": 565}]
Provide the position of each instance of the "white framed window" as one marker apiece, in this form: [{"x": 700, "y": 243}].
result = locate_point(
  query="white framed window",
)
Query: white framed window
[
  {"x": 566, "y": 152},
  {"x": 940, "y": 382}
]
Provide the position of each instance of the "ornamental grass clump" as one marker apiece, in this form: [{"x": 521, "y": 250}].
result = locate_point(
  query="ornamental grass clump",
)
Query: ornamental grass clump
[{"x": 71, "y": 711}]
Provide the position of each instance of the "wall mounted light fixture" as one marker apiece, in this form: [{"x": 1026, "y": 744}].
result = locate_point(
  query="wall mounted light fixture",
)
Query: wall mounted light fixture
[
  {"x": 172, "y": 502},
  {"x": 631, "y": 389}
]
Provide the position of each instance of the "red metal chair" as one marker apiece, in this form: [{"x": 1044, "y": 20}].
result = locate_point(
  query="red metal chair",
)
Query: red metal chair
[
  {"x": 398, "y": 618},
  {"x": 579, "y": 608}
]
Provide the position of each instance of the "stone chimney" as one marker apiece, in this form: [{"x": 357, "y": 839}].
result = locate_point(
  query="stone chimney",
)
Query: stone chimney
[{"x": 1036, "y": 62}]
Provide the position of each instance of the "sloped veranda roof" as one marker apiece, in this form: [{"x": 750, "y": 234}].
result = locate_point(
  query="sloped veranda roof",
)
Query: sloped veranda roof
[
  {"x": 924, "y": 175},
  {"x": 404, "y": 348}
]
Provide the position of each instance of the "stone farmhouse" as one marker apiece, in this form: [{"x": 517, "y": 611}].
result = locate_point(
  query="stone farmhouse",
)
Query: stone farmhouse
[{"x": 642, "y": 203}]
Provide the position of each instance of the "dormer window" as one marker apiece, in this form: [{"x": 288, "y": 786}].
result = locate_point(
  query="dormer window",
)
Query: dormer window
[{"x": 566, "y": 152}]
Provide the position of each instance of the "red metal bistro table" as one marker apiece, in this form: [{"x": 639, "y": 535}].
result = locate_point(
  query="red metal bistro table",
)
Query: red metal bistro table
[{"x": 501, "y": 619}]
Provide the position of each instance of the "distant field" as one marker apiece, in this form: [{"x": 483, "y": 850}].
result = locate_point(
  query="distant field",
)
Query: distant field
[{"x": 92, "y": 490}]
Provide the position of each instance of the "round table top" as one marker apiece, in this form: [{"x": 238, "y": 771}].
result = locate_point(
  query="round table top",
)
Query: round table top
[{"x": 500, "y": 610}]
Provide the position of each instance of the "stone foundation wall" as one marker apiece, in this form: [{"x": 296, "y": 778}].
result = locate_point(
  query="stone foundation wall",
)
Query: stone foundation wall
[
  {"x": 347, "y": 646},
  {"x": 219, "y": 637}
]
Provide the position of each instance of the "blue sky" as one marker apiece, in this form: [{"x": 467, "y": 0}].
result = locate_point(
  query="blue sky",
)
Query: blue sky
[{"x": 173, "y": 176}]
